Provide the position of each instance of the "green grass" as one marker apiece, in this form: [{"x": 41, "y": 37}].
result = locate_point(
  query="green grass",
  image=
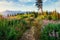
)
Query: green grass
[
  {"x": 49, "y": 29},
  {"x": 12, "y": 30}
]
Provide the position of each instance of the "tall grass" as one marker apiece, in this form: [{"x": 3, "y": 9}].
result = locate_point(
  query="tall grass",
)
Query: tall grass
[
  {"x": 12, "y": 29},
  {"x": 50, "y": 32}
]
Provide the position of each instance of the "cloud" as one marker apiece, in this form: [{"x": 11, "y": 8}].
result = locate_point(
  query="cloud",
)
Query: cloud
[
  {"x": 44, "y": 0},
  {"x": 57, "y": 5},
  {"x": 25, "y": 1},
  {"x": 16, "y": 6},
  {"x": 52, "y": 6},
  {"x": 4, "y": 5}
]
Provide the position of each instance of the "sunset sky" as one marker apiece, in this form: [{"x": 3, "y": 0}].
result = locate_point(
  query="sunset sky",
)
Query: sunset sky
[{"x": 28, "y": 5}]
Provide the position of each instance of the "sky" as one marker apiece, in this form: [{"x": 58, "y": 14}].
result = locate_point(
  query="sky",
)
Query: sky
[{"x": 28, "y": 5}]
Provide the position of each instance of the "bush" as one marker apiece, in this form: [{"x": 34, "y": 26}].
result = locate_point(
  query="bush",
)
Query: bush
[
  {"x": 49, "y": 17},
  {"x": 54, "y": 18}
]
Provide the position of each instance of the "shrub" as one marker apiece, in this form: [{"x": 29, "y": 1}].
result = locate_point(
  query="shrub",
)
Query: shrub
[{"x": 49, "y": 17}]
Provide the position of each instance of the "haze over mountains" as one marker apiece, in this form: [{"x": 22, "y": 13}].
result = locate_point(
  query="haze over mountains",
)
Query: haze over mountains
[{"x": 8, "y": 12}]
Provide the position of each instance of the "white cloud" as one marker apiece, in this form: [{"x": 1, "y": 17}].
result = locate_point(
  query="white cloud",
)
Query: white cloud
[
  {"x": 28, "y": 8},
  {"x": 57, "y": 5},
  {"x": 4, "y": 5},
  {"x": 24, "y": 1},
  {"x": 53, "y": 6},
  {"x": 44, "y": 0}
]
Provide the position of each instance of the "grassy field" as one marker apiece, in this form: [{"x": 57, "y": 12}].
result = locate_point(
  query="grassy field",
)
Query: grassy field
[{"x": 14, "y": 26}]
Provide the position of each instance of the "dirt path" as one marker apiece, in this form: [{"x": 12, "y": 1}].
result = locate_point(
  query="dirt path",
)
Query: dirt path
[
  {"x": 29, "y": 34},
  {"x": 32, "y": 33}
]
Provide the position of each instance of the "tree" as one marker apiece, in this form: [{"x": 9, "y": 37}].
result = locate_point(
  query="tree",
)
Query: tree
[{"x": 39, "y": 5}]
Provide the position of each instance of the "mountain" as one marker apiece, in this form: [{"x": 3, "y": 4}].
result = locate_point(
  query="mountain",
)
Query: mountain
[{"x": 7, "y": 12}]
